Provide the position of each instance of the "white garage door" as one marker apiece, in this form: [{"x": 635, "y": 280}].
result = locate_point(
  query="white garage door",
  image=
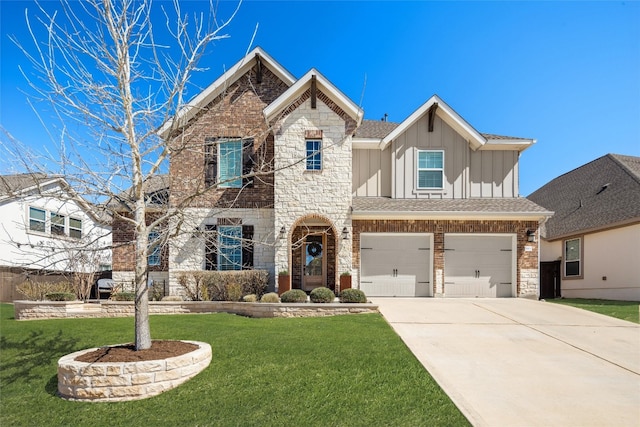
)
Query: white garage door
[
  {"x": 395, "y": 264},
  {"x": 479, "y": 266}
]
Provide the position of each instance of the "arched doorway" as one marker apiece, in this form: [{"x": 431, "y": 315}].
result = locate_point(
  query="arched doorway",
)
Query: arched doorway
[{"x": 313, "y": 253}]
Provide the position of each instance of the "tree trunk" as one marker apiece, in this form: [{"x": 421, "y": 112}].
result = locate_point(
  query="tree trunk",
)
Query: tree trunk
[{"x": 142, "y": 329}]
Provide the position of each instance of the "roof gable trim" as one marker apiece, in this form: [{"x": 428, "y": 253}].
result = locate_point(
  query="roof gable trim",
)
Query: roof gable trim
[{"x": 222, "y": 83}]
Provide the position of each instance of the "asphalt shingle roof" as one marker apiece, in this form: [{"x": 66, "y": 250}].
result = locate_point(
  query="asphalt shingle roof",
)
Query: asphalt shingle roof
[
  {"x": 380, "y": 129},
  {"x": 11, "y": 184},
  {"x": 600, "y": 194},
  {"x": 518, "y": 205}
]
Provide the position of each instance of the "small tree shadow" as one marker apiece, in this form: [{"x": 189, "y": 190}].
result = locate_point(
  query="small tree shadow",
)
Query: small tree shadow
[{"x": 34, "y": 351}]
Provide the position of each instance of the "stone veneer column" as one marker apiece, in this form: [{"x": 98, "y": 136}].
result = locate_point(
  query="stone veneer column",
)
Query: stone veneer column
[{"x": 298, "y": 192}]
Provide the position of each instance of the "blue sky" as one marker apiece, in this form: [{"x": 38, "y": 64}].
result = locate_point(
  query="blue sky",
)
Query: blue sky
[{"x": 564, "y": 73}]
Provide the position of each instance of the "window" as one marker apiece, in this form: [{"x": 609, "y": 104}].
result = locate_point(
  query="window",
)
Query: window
[
  {"x": 430, "y": 169},
  {"x": 229, "y": 248},
  {"x": 37, "y": 220},
  {"x": 153, "y": 259},
  {"x": 314, "y": 155},
  {"x": 572, "y": 253},
  {"x": 230, "y": 164},
  {"x": 57, "y": 224},
  {"x": 75, "y": 228}
]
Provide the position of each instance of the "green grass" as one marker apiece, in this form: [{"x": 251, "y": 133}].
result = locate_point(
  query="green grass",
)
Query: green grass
[
  {"x": 625, "y": 310},
  {"x": 336, "y": 371}
]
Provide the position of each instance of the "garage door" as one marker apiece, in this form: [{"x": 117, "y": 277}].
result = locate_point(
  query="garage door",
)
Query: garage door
[
  {"x": 395, "y": 264},
  {"x": 478, "y": 266}
]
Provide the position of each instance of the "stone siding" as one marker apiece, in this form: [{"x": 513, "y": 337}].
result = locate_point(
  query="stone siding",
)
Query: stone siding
[
  {"x": 33, "y": 310},
  {"x": 321, "y": 197}
]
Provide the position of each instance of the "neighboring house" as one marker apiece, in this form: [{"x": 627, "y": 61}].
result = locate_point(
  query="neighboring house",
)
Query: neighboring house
[
  {"x": 590, "y": 248},
  {"x": 43, "y": 223},
  {"x": 426, "y": 207}
]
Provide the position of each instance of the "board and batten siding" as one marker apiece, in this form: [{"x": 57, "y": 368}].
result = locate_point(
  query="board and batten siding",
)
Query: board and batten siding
[
  {"x": 372, "y": 173},
  {"x": 467, "y": 173}
]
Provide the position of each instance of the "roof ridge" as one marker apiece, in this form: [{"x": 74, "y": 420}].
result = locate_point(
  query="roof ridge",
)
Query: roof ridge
[{"x": 617, "y": 158}]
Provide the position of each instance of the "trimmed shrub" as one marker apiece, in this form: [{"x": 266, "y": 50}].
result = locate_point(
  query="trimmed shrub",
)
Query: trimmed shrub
[
  {"x": 123, "y": 296},
  {"x": 173, "y": 298},
  {"x": 353, "y": 296},
  {"x": 251, "y": 282},
  {"x": 37, "y": 291},
  {"x": 61, "y": 296},
  {"x": 234, "y": 291},
  {"x": 322, "y": 295},
  {"x": 270, "y": 297},
  {"x": 250, "y": 298},
  {"x": 294, "y": 295}
]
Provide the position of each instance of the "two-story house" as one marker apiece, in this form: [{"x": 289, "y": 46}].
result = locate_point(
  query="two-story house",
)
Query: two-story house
[
  {"x": 47, "y": 230},
  {"x": 301, "y": 182}
]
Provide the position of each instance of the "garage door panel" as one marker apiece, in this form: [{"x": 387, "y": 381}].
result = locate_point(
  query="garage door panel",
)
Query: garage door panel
[
  {"x": 395, "y": 264},
  {"x": 478, "y": 266}
]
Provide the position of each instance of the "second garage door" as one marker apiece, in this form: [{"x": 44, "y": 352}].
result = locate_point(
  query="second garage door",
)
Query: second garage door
[
  {"x": 395, "y": 264},
  {"x": 479, "y": 265}
]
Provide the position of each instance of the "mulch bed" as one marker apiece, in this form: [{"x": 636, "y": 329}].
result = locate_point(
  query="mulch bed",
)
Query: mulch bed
[{"x": 127, "y": 353}]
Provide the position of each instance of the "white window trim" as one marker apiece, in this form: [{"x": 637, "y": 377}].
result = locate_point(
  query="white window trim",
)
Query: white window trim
[
  {"x": 307, "y": 155},
  {"x": 69, "y": 218},
  {"x": 229, "y": 183},
  {"x": 48, "y": 224},
  {"x": 418, "y": 169},
  {"x": 45, "y": 222},
  {"x": 580, "y": 259}
]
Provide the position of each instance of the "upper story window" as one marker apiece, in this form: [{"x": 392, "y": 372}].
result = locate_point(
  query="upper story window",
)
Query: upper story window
[
  {"x": 572, "y": 258},
  {"x": 37, "y": 220},
  {"x": 430, "y": 169},
  {"x": 57, "y": 224},
  {"x": 314, "y": 154},
  {"x": 153, "y": 259},
  {"x": 228, "y": 162},
  {"x": 230, "y": 171}
]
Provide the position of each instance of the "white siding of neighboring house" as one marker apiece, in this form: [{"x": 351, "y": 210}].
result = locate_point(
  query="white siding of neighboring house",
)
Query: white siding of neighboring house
[
  {"x": 614, "y": 254},
  {"x": 35, "y": 248},
  {"x": 372, "y": 172},
  {"x": 468, "y": 173}
]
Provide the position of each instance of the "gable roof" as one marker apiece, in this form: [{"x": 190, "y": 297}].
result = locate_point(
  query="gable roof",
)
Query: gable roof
[
  {"x": 17, "y": 185},
  {"x": 156, "y": 194},
  {"x": 475, "y": 139},
  {"x": 223, "y": 82},
  {"x": 325, "y": 86},
  {"x": 602, "y": 194},
  {"x": 13, "y": 185}
]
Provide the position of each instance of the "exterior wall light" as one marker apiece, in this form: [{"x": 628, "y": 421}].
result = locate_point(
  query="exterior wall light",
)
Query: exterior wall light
[
  {"x": 531, "y": 236},
  {"x": 283, "y": 233},
  {"x": 345, "y": 233}
]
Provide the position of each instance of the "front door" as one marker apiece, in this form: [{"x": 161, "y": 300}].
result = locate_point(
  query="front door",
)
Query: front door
[{"x": 313, "y": 262}]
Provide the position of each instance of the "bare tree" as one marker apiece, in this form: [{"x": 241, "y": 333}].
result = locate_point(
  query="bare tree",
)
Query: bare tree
[{"x": 106, "y": 70}]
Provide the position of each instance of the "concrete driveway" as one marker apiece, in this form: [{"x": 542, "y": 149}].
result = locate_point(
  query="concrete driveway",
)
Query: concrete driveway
[{"x": 518, "y": 362}]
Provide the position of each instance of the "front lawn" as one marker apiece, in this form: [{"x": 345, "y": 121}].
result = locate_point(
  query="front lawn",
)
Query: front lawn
[
  {"x": 625, "y": 310},
  {"x": 338, "y": 371}
]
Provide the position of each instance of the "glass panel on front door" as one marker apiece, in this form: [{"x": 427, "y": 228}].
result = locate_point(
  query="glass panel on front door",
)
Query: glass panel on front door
[{"x": 313, "y": 274}]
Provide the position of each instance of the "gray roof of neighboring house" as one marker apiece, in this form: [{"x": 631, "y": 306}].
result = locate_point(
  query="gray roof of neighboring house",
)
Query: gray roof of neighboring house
[
  {"x": 12, "y": 184},
  {"x": 380, "y": 129},
  {"x": 156, "y": 192},
  {"x": 507, "y": 206},
  {"x": 601, "y": 194}
]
